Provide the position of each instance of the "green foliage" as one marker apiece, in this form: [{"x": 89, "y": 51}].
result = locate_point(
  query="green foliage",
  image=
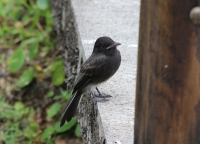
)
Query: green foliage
[
  {"x": 47, "y": 132},
  {"x": 58, "y": 75},
  {"x": 33, "y": 50},
  {"x": 16, "y": 127},
  {"x": 50, "y": 93},
  {"x": 25, "y": 78},
  {"x": 42, "y": 4},
  {"x": 27, "y": 26},
  {"x": 25, "y": 29},
  {"x": 65, "y": 94},
  {"x": 67, "y": 126},
  {"x": 54, "y": 109},
  {"x": 78, "y": 130},
  {"x": 16, "y": 61}
]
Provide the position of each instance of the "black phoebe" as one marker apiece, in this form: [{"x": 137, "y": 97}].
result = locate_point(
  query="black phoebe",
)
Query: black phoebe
[{"x": 99, "y": 67}]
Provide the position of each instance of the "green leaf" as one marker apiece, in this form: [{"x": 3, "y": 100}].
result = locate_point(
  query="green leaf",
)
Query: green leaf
[
  {"x": 67, "y": 126},
  {"x": 68, "y": 96},
  {"x": 25, "y": 78},
  {"x": 16, "y": 61},
  {"x": 31, "y": 116},
  {"x": 30, "y": 41},
  {"x": 56, "y": 64},
  {"x": 78, "y": 131},
  {"x": 42, "y": 4},
  {"x": 33, "y": 50},
  {"x": 53, "y": 110},
  {"x": 18, "y": 105},
  {"x": 50, "y": 93},
  {"x": 29, "y": 133},
  {"x": 47, "y": 132},
  {"x": 57, "y": 97},
  {"x": 58, "y": 75},
  {"x": 65, "y": 94},
  {"x": 34, "y": 127}
]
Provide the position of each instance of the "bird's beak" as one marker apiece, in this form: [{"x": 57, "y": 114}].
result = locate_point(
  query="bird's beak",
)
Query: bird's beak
[{"x": 115, "y": 44}]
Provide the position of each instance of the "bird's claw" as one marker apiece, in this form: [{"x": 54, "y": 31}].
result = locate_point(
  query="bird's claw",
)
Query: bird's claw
[
  {"x": 103, "y": 96},
  {"x": 100, "y": 97}
]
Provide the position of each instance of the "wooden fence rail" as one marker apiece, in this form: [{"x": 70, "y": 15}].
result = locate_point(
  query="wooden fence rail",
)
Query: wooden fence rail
[{"x": 168, "y": 77}]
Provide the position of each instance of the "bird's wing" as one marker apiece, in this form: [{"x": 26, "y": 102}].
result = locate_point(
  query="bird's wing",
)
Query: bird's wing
[
  {"x": 81, "y": 82},
  {"x": 86, "y": 72}
]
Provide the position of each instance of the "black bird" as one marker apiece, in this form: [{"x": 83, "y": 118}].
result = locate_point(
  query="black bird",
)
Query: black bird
[{"x": 99, "y": 67}]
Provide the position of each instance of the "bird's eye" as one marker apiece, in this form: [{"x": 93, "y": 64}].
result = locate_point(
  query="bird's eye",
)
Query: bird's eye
[{"x": 103, "y": 46}]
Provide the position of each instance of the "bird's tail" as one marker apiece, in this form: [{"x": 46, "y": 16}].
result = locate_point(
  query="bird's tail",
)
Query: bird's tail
[{"x": 71, "y": 107}]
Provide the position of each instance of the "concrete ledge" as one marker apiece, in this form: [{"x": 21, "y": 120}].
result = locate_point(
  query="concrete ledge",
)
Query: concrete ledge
[
  {"x": 113, "y": 120},
  {"x": 68, "y": 41}
]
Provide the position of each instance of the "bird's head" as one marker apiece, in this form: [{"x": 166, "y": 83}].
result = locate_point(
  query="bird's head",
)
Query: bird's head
[{"x": 105, "y": 45}]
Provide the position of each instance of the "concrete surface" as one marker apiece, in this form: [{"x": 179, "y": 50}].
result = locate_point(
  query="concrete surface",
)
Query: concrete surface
[{"x": 118, "y": 19}]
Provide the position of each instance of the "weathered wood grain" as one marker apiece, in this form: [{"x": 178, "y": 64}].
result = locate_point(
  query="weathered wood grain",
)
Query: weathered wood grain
[{"x": 168, "y": 77}]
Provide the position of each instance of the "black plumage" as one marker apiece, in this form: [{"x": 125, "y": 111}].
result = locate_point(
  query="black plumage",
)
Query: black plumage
[{"x": 99, "y": 67}]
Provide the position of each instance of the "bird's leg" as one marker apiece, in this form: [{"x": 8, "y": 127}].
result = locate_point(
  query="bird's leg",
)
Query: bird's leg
[
  {"x": 96, "y": 98},
  {"x": 91, "y": 92},
  {"x": 99, "y": 95},
  {"x": 102, "y": 96}
]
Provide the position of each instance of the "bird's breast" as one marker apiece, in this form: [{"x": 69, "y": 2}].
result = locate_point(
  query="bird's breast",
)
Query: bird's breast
[{"x": 107, "y": 68}]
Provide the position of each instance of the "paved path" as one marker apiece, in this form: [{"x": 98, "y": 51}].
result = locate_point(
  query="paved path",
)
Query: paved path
[{"x": 118, "y": 19}]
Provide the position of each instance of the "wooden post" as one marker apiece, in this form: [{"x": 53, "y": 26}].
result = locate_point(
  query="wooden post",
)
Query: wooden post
[{"x": 168, "y": 78}]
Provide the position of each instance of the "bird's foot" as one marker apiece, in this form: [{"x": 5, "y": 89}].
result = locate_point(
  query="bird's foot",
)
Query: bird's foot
[
  {"x": 102, "y": 95},
  {"x": 99, "y": 97}
]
